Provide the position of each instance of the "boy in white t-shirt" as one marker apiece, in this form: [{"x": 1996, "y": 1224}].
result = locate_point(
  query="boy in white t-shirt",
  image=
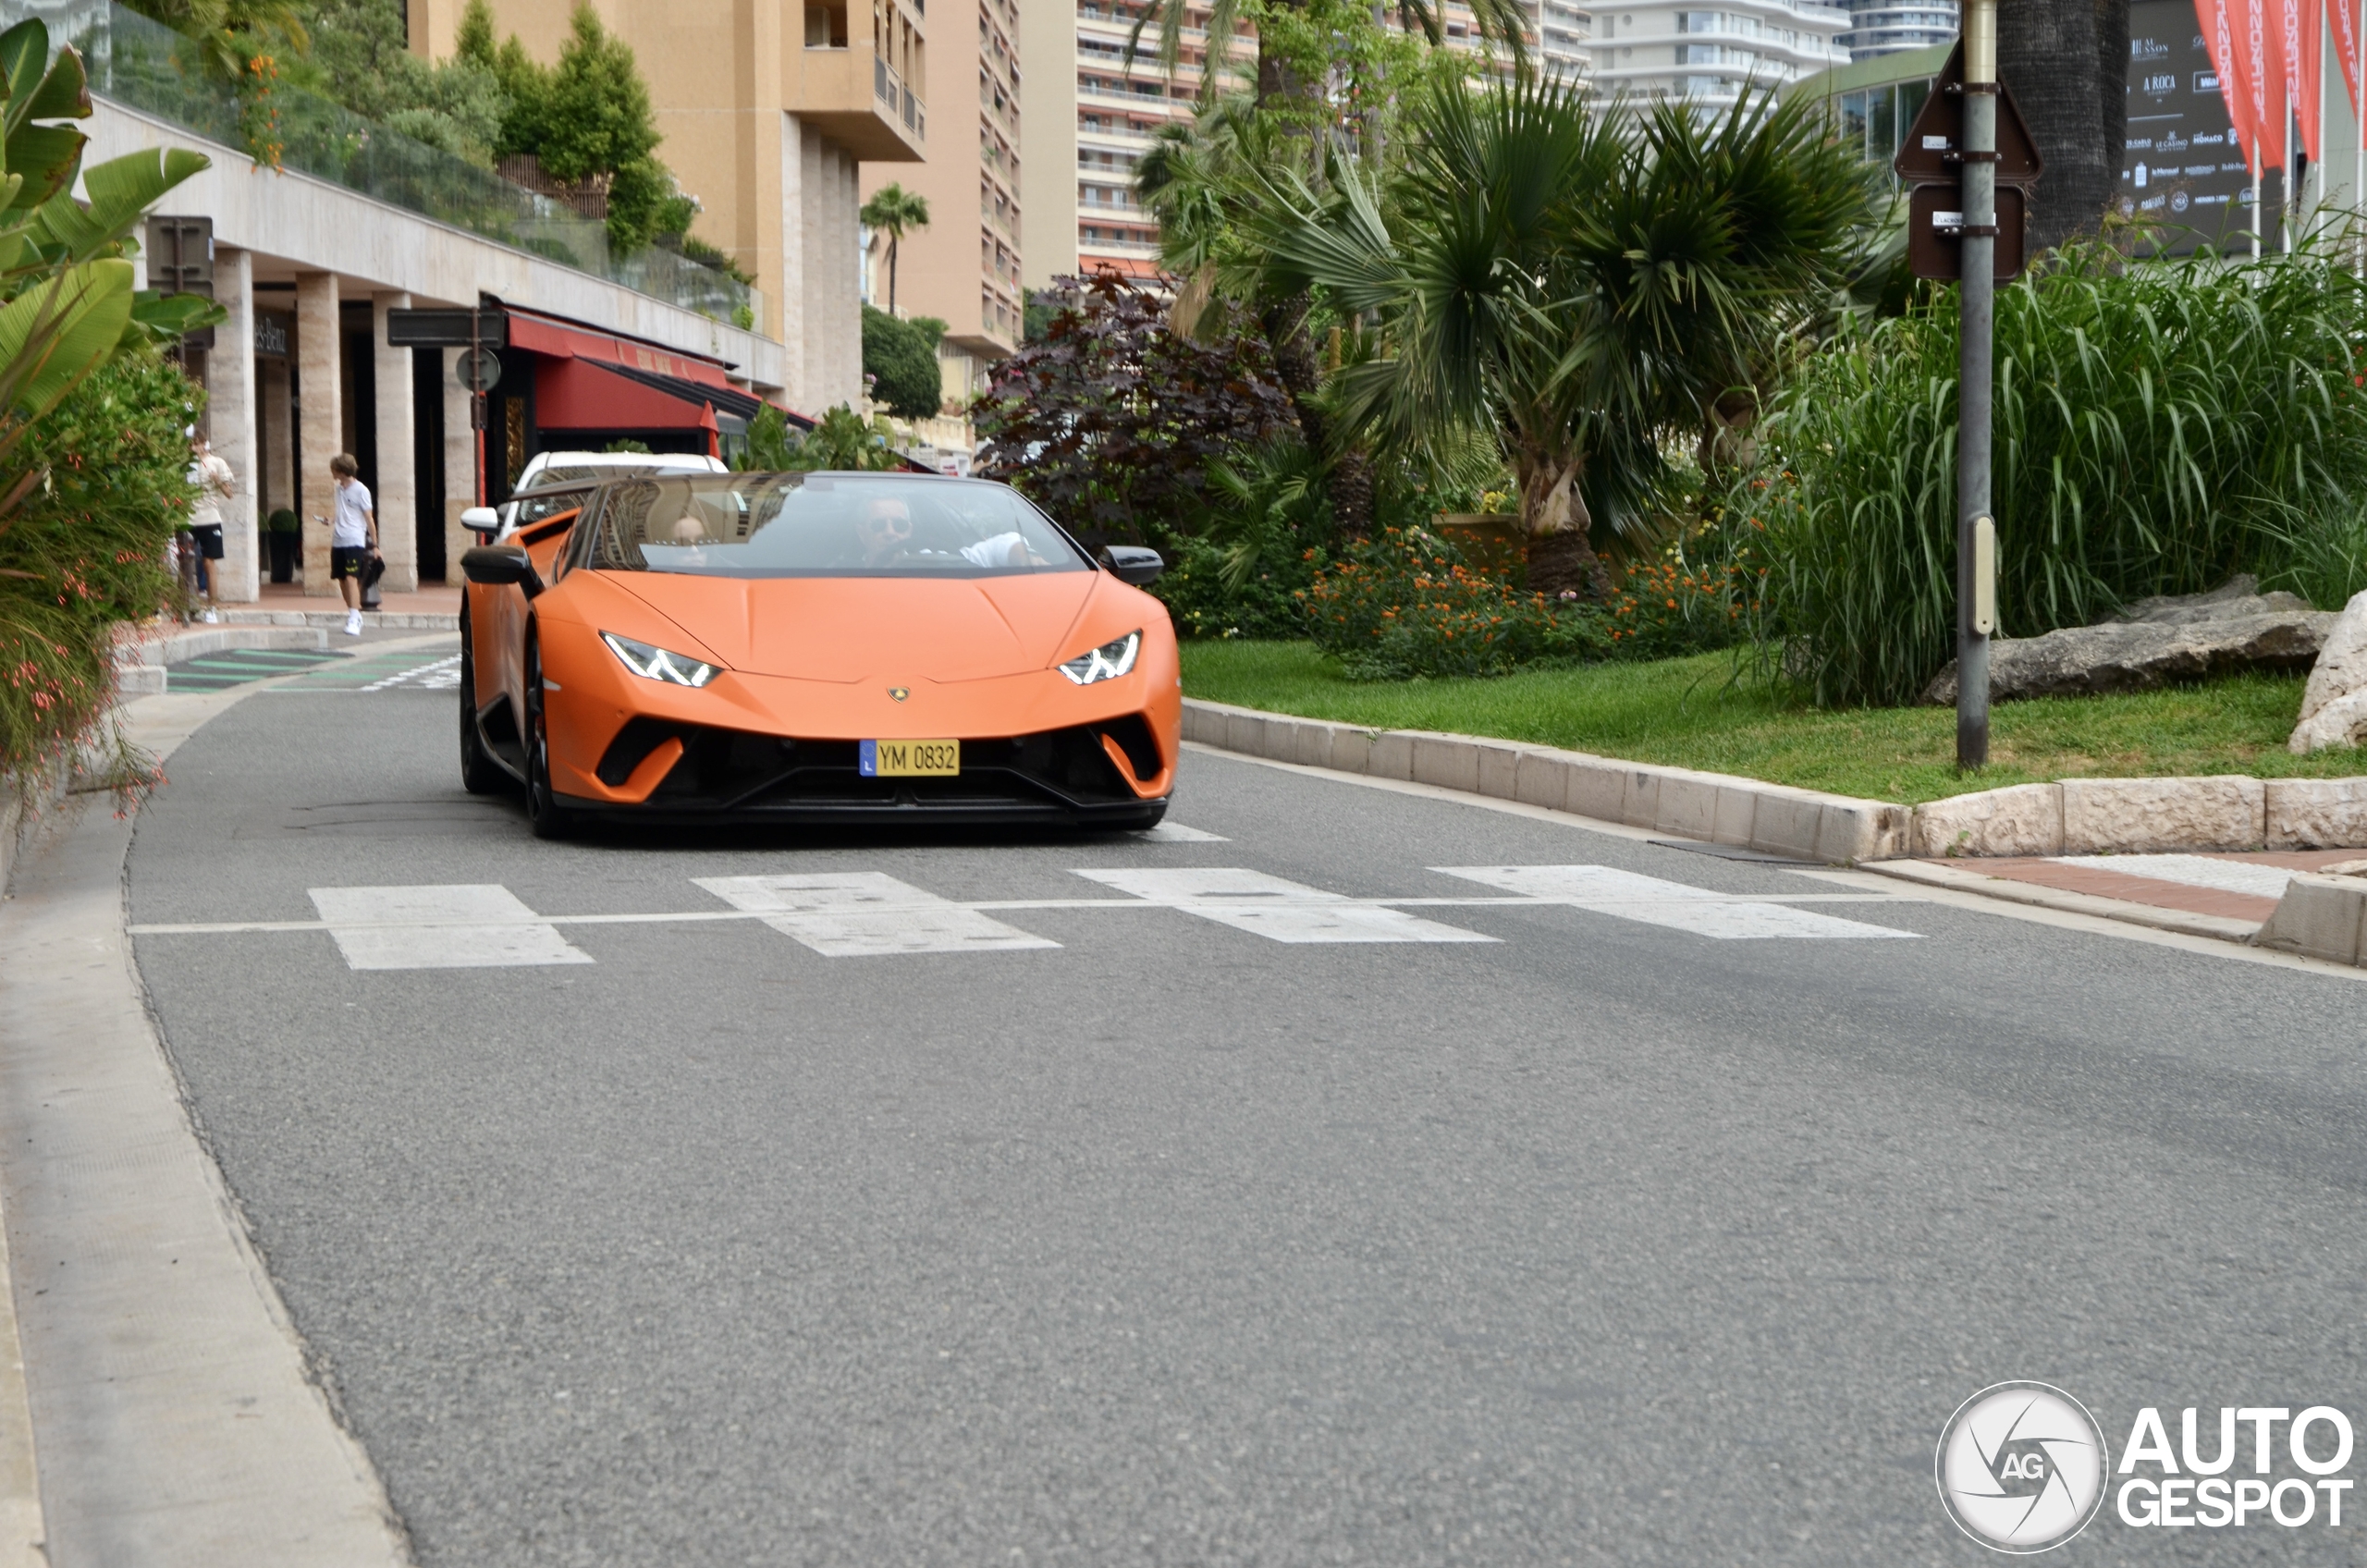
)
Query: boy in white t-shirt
[
  {"x": 215, "y": 484},
  {"x": 354, "y": 536}
]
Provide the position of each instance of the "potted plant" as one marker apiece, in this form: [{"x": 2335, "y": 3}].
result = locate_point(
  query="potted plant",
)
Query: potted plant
[{"x": 287, "y": 536}]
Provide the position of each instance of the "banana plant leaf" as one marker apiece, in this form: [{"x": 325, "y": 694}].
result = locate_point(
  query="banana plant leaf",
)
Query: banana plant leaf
[{"x": 57, "y": 333}]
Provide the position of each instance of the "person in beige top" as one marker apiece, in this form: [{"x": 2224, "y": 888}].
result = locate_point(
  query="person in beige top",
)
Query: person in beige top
[{"x": 216, "y": 483}]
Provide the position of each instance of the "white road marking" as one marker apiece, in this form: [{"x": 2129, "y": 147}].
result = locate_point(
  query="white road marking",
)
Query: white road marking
[
  {"x": 442, "y": 675},
  {"x": 867, "y": 913},
  {"x": 2195, "y": 871},
  {"x": 1279, "y": 910},
  {"x": 1631, "y": 895},
  {"x": 463, "y": 925},
  {"x": 1176, "y": 833}
]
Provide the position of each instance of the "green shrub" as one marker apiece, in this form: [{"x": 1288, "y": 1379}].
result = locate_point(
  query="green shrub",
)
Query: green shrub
[
  {"x": 2158, "y": 427},
  {"x": 901, "y": 362},
  {"x": 87, "y": 550},
  {"x": 1205, "y": 601},
  {"x": 1407, "y": 604}
]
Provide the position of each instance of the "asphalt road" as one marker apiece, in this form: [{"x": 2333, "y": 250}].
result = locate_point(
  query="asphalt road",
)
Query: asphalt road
[{"x": 1603, "y": 1241}]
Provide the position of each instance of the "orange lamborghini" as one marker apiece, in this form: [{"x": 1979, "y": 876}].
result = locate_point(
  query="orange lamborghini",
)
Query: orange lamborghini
[{"x": 813, "y": 646}]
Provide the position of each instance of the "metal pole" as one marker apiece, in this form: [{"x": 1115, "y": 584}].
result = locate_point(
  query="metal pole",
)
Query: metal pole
[{"x": 1977, "y": 296}]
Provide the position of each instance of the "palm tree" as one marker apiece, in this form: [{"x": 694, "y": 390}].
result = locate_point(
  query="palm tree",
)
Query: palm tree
[
  {"x": 1585, "y": 285},
  {"x": 891, "y": 211}
]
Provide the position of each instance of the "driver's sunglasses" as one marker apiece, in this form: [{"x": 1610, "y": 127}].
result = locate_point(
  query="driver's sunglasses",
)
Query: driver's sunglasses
[{"x": 893, "y": 527}]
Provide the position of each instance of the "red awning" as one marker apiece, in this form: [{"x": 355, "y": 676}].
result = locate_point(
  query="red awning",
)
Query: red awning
[
  {"x": 580, "y": 395},
  {"x": 544, "y": 335}
]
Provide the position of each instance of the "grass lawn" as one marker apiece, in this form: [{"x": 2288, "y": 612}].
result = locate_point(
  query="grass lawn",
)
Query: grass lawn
[{"x": 1694, "y": 713}]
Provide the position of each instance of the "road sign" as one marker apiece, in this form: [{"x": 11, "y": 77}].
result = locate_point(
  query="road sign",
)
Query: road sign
[
  {"x": 1934, "y": 146},
  {"x": 479, "y": 370},
  {"x": 447, "y": 329},
  {"x": 1935, "y": 231}
]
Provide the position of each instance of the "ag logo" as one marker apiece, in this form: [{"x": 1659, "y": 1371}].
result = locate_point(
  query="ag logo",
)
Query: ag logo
[
  {"x": 2021, "y": 1468},
  {"x": 900, "y": 693}
]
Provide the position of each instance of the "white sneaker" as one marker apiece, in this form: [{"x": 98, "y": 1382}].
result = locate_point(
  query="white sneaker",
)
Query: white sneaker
[
  {"x": 212, "y": 619},
  {"x": 353, "y": 623}
]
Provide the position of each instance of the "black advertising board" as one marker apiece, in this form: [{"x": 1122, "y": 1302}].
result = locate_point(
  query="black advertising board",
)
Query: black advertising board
[
  {"x": 2182, "y": 169},
  {"x": 1935, "y": 213},
  {"x": 447, "y": 329}
]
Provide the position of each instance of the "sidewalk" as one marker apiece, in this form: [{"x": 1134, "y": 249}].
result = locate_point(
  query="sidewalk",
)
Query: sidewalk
[{"x": 2224, "y": 894}]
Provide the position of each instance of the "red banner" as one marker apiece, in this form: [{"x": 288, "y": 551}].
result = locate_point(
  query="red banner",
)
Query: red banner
[
  {"x": 2303, "y": 29},
  {"x": 2260, "y": 41},
  {"x": 2344, "y": 14},
  {"x": 2220, "y": 22}
]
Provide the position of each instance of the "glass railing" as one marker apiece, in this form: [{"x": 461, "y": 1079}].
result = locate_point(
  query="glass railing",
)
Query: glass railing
[{"x": 147, "y": 67}]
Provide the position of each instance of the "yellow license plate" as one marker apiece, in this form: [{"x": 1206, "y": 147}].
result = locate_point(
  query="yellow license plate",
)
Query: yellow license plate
[{"x": 911, "y": 759}]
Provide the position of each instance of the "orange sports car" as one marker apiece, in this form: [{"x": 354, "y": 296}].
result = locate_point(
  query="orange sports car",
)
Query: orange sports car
[{"x": 813, "y": 646}]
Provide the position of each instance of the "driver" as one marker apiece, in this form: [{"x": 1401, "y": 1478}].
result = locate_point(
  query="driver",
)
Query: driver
[{"x": 883, "y": 528}]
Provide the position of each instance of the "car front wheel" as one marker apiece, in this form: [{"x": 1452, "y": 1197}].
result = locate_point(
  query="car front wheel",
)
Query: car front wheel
[
  {"x": 543, "y": 811},
  {"x": 479, "y": 774}
]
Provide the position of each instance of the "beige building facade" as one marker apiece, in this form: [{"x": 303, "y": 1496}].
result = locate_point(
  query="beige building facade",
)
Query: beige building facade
[{"x": 768, "y": 108}]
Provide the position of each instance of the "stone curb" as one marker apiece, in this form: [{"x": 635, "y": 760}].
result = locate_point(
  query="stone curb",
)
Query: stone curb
[
  {"x": 2319, "y": 917},
  {"x": 139, "y": 661},
  {"x": 2146, "y": 815},
  {"x": 1773, "y": 818},
  {"x": 330, "y": 620},
  {"x": 2075, "y": 817}
]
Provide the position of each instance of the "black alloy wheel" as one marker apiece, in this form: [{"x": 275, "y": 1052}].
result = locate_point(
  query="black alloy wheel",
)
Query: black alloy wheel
[
  {"x": 480, "y": 774},
  {"x": 548, "y": 819}
]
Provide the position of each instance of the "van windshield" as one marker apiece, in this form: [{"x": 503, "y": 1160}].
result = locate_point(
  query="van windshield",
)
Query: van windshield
[{"x": 825, "y": 525}]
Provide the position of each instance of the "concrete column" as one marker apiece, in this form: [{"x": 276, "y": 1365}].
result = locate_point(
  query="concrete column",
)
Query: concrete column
[
  {"x": 321, "y": 430},
  {"x": 460, "y": 466},
  {"x": 792, "y": 282},
  {"x": 230, "y": 418},
  {"x": 275, "y": 485},
  {"x": 397, "y": 498}
]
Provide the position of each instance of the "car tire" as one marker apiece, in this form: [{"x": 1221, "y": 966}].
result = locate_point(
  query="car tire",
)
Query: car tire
[
  {"x": 480, "y": 774},
  {"x": 543, "y": 812}
]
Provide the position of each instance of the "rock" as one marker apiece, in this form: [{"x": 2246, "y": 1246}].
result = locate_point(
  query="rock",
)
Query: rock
[
  {"x": 2184, "y": 637},
  {"x": 2333, "y": 705}
]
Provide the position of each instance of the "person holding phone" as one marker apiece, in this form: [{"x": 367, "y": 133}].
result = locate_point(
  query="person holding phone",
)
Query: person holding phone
[{"x": 354, "y": 536}]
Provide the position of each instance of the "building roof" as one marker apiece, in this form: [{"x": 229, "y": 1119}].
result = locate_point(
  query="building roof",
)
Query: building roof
[{"x": 1883, "y": 70}]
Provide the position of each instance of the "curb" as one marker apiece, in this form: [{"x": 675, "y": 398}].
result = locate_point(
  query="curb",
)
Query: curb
[
  {"x": 1718, "y": 808},
  {"x": 330, "y": 620},
  {"x": 2073, "y": 816},
  {"x": 2319, "y": 917},
  {"x": 139, "y": 662}
]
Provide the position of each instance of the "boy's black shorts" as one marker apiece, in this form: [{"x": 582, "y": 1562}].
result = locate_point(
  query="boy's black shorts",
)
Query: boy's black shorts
[
  {"x": 346, "y": 560},
  {"x": 209, "y": 539}
]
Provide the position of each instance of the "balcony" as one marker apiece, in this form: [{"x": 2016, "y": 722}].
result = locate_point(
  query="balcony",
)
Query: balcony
[
  {"x": 853, "y": 96},
  {"x": 149, "y": 69}
]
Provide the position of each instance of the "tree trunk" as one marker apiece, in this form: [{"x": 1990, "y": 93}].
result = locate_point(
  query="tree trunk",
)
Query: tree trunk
[
  {"x": 1348, "y": 473},
  {"x": 1561, "y": 557},
  {"x": 2067, "y": 63}
]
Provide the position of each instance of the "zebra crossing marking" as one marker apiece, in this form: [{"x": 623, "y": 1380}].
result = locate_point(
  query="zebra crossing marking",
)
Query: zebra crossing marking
[
  {"x": 1629, "y": 895},
  {"x": 457, "y": 926},
  {"x": 1277, "y": 909},
  {"x": 867, "y": 914}
]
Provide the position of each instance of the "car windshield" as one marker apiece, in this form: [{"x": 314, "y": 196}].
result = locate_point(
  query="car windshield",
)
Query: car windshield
[{"x": 825, "y": 525}]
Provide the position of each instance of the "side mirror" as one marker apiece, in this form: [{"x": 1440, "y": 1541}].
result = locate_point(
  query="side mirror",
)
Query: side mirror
[
  {"x": 482, "y": 520},
  {"x": 496, "y": 565},
  {"x": 1132, "y": 563}
]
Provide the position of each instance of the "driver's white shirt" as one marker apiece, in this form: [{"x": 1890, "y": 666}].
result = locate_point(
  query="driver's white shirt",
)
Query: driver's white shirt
[{"x": 1003, "y": 549}]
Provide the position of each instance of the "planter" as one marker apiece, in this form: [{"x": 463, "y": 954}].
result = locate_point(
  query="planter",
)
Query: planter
[{"x": 287, "y": 549}]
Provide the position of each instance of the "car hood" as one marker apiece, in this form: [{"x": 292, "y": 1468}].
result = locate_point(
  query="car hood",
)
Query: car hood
[{"x": 852, "y": 628}]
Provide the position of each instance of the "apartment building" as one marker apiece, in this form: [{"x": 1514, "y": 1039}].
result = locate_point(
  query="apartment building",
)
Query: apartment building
[
  {"x": 966, "y": 274},
  {"x": 1650, "y": 50},
  {"x": 768, "y": 109},
  {"x": 1891, "y": 27},
  {"x": 1092, "y": 113}
]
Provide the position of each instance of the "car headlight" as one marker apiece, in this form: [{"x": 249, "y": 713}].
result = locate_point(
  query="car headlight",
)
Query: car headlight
[
  {"x": 657, "y": 663},
  {"x": 1105, "y": 663}
]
